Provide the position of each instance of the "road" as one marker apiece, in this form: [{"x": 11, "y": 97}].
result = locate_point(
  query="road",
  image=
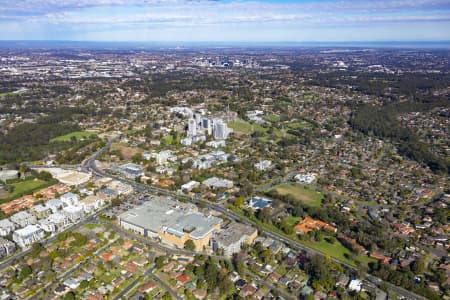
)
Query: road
[{"x": 89, "y": 165}]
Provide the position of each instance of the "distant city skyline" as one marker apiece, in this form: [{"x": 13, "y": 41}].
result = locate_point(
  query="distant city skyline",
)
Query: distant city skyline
[{"x": 225, "y": 21}]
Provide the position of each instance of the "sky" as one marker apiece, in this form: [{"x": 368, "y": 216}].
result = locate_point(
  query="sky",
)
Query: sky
[{"x": 225, "y": 21}]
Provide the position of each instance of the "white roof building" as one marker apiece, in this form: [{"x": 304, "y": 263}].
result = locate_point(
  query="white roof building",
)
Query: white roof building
[
  {"x": 70, "y": 199},
  {"x": 54, "y": 204},
  {"x": 305, "y": 178},
  {"x": 28, "y": 235},
  {"x": 6, "y": 227},
  {"x": 165, "y": 156},
  {"x": 190, "y": 185},
  {"x": 263, "y": 165},
  {"x": 91, "y": 203},
  {"x": 216, "y": 144},
  {"x": 73, "y": 212},
  {"x": 355, "y": 285},
  {"x": 23, "y": 218},
  {"x": 216, "y": 183}
]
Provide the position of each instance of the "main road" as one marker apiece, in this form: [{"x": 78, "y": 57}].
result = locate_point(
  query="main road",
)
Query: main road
[{"x": 89, "y": 165}]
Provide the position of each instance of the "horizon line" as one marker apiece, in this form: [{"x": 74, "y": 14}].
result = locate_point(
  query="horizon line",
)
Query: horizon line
[{"x": 339, "y": 44}]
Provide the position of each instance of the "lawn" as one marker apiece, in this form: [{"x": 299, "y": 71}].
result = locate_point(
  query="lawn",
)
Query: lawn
[
  {"x": 241, "y": 127},
  {"x": 167, "y": 140},
  {"x": 25, "y": 187},
  {"x": 307, "y": 196},
  {"x": 6, "y": 94},
  {"x": 76, "y": 134},
  {"x": 291, "y": 220},
  {"x": 272, "y": 118},
  {"x": 299, "y": 124}
]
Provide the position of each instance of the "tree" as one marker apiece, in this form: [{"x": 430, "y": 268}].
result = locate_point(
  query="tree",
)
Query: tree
[
  {"x": 418, "y": 266},
  {"x": 69, "y": 296},
  {"x": 136, "y": 158},
  {"x": 84, "y": 284},
  {"x": 45, "y": 176},
  {"x": 189, "y": 245},
  {"x": 211, "y": 272},
  {"x": 239, "y": 201},
  {"x": 159, "y": 262},
  {"x": 225, "y": 284},
  {"x": 25, "y": 272},
  {"x": 264, "y": 214}
]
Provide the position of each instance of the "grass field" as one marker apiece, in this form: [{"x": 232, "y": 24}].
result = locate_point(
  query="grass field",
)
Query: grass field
[
  {"x": 167, "y": 140},
  {"x": 299, "y": 124},
  {"x": 125, "y": 151},
  {"x": 337, "y": 250},
  {"x": 272, "y": 118},
  {"x": 76, "y": 134},
  {"x": 241, "y": 127},
  {"x": 309, "y": 197},
  {"x": 24, "y": 187},
  {"x": 6, "y": 94}
]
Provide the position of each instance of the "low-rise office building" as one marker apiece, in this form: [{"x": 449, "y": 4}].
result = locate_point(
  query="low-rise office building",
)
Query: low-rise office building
[{"x": 232, "y": 238}]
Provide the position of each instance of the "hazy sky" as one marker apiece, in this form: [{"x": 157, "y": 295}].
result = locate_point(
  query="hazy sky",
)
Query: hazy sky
[{"x": 228, "y": 20}]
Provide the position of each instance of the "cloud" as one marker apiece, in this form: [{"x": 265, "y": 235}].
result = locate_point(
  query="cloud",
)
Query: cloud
[{"x": 83, "y": 16}]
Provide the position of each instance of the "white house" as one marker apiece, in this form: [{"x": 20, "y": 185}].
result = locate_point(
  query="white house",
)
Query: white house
[
  {"x": 305, "y": 178},
  {"x": 91, "y": 203},
  {"x": 23, "y": 218},
  {"x": 40, "y": 211},
  {"x": 6, "y": 227},
  {"x": 28, "y": 235},
  {"x": 165, "y": 156},
  {"x": 74, "y": 212},
  {"x": 263, "y": 165},
  {"x": 70, "y": 199},
  {"x": 60, "y": 220},
  {"x": 216, "y": 144},
  {"x": 216, "y": 183},
  {"x": 190, "y": 185},
  {"x": 355, "y": 285},
  {"x": 47, "y": 226},
  {"x": 54, "y": 204}
]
